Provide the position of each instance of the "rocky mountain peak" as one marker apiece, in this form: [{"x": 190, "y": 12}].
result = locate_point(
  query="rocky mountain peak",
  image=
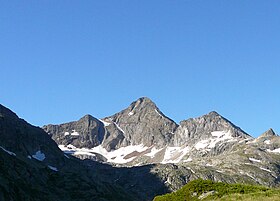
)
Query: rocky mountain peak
[
  {"x": 144, "y": 100},
  {"x": 142, "y": 104},
  {"x": 214, "y": 116},
  {"x": 87, "y": 117},
  {"x": 213, "y": 113},
  {"x": 142, "y": 123},
  {"x": 268, "y": 133},
  {"x": 202, "y": 128}
]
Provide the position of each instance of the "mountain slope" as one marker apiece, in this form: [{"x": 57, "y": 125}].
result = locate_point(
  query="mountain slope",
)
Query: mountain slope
[
  {"x": 32, "y": 167},
  {"x": 143, "y": 123},
  {"x": 86, "y": 132},
  {"x": 208, "y": 147},
  {"x": 209, "y": 190},
  {"x": 201, "y": 128},
  {"x": 26, "y": 140}
]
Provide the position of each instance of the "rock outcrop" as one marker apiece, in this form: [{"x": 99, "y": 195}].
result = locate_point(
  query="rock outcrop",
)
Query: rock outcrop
[
  {"x": 141, "y": 123},
  {"x": 142, "y": 134}
]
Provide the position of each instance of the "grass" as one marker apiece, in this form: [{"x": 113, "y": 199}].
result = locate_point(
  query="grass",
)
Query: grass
[{"x": 208, "y": 190}]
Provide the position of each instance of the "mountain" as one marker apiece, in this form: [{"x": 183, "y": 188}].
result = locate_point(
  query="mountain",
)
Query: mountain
[
  {"x": 154, "y": 155},
  {"x": 32, "y": 168},
  {"x": 87, "y": 132},
  {"x": 201, "y": 128},
  {"x": 142, "y": 123},
  {"x": 208, "y": 147},
  {"x": 138, "y": 129},
  {"x": 142, "y": 134},
  {"x": 25, "y": 140}
]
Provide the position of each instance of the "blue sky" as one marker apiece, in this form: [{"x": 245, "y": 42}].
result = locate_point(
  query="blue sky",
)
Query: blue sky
[{"x": 61, "y": 60}]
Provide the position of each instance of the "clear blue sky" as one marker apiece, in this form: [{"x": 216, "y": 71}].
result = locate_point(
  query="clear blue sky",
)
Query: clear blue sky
[{"x": 60, "y": 60}]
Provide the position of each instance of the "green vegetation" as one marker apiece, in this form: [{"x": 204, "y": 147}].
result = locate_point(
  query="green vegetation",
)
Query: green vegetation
[{"x": 208, "y": 190}]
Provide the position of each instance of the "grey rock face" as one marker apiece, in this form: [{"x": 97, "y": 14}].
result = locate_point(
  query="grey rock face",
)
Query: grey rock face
[
  {"x": 196, "y": 129},
  {"x": 267, "y": 134},
  {"x": 114, "y": 137},
  {"x": 208, "y": 147},
  {"x": 87, "y": 132},
  {"x": 26, "y": 140},
  {"x": 49, "y": 174},
  {"x": 141, "y": 123}
]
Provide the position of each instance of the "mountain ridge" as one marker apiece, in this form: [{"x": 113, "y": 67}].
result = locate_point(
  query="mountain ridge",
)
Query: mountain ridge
[
  {"x": 214, "y": 150},
  {"x": 148, "y": 136}
]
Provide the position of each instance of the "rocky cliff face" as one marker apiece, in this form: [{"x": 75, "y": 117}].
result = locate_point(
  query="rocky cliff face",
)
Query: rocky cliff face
[
  {"x": 142, "y": 123},
  {"x": 87, "y": 132},
  {"x": 196, "y": 129},
  {"x": 27, "y": 141},
  {"x": 142, "y": 134},
  {"x": 208, "y": 147},
  {"x": 33, "y": 168}
]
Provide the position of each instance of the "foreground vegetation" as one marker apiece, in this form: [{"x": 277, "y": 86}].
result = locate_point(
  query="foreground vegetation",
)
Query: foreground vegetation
[{"x": 208, "y": 190}]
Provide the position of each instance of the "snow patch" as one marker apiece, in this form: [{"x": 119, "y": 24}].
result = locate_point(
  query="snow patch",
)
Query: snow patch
[
  {"x": 188, "y": 160},
  {"x": 66, "y": 133},
  {"x": 220, "y": 136},
  {"x": 40, "y": 156},
  {"x": 119, "y": 127},
  {"x": 254, "y": 160},
  {"x": 104, "y": 122},
  {"x": 241, "y": 141},
  {"x": 118, "y": 156},
  {"x": 191, "y": 170},
  {"x": 202, "y": 144},
  {"x": 70, "y": 146},
  {"x": 29, "y": 157},
  {"x": 9, "y": 152},
  {"x": 115, "y": 156},
  {"x": 217, "y": 133},
  {"x": 267, "y": 142},
  {"x": 174, "y": 154},
  {"x": 75, "y": 133},
  {"x": 158, "y": 113},
  {"x": 84, "y": 151},
  {"x": 252, "y": 142},
  {"x": 265, "y": 169},
  {"x": 220, "y": 171},
  {"x": 274, "y": 151},
  {"x": 153, "y": 152},
  {"x": 250, "y": 176},
  {"x": 130, "y": 114},
  {"x": 53, "y": 168}
]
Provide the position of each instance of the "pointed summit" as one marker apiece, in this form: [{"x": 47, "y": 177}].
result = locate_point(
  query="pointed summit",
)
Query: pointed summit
[
  {"x": 201, "y": 128},
  {"x": 214, "y": 113},
  {"x": 144, "y": 99},
  {"x": 218, "y": 119},
  {"x": 88, "y": 117},
  {"x": 139, "y": 108},
  {"x": 143, "y": 123},
  {"x": 268, "y": 133},
  {"x": 143, "y": 102}
]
